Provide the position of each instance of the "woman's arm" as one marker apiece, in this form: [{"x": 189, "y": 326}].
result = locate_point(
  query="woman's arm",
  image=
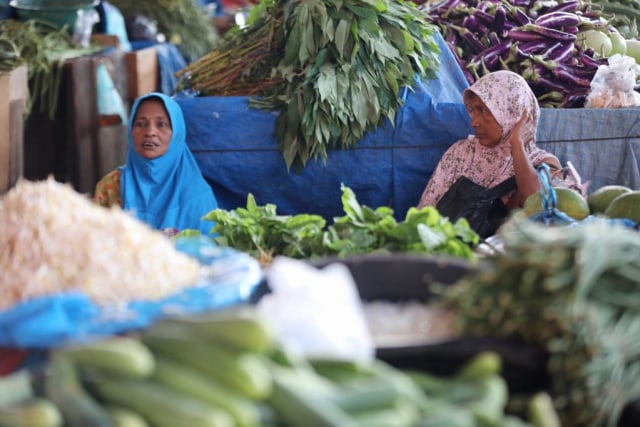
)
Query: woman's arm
[{"x": 525, "y": 172}]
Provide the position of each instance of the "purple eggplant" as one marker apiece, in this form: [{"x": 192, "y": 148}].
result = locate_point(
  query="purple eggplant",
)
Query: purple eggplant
[
  {"x": 490, "y": 54},
  {"x": 565, "y": 74},
  {"x": 516, "y": 13},
  {"x": 580, "y": 71},
  {"x": 560, "y": 51},
  {"x": 550, "y": 84},
  {"x": 471, "y": 23},
  {"x": 558, "y": 20},
  {"x": 534, "y": 46},
  {"x": 521, "y": 35},
  {"x": 483, "y": 17},
  {"x": 494, "y": 39},
  {"x": 499, "y": 18},
  {"x": 566, "y": 6},
  {"x": 548, "y": 32},
  {"x": 469, "y": 38}
]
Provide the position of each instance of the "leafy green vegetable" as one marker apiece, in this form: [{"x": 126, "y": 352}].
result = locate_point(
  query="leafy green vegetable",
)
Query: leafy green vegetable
[
  {"x": 184, "y": 22},
  {"x": 333, "y": 69},
  {"x": 44, "y": 49},
  {"x": 262, "y": 233}
]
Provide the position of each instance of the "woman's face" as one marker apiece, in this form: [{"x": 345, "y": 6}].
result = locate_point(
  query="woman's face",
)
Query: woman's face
[
  {"x": 151, "y": 129},
  {"x": 486, "y": 127}
]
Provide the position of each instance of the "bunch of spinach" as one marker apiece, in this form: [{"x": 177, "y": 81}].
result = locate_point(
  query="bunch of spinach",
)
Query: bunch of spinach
[{"x": 262, "y": 233}]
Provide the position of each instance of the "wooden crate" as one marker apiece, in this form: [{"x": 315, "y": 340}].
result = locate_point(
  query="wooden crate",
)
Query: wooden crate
[
  {"x": 143, "y": 72},
  {"x": 14, "y": 90}
]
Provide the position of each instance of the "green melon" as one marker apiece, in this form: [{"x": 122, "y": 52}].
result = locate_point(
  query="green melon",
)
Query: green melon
[
  {"x": 626, "y": 205},
  {"x": 601, "y": 198},
  {"x": 568, "y": 201}
]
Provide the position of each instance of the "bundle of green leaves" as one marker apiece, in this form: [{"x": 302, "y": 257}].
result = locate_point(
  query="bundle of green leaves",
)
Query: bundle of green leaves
[
  {"x": 262, "y": 233},
  {"x": 333, "y": 69}
]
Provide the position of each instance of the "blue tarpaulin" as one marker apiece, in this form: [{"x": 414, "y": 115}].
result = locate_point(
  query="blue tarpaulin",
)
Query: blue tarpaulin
[{"x": 238, "y": 154}]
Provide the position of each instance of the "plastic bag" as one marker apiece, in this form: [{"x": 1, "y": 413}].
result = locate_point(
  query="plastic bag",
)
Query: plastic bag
[
  {"x": 481, "y": 207},
  {"x": 550, "y": 215},
  {"x": 316, "y": 312},
  {"x": 613, "y": 85},
  {"x": 83, "y": 29}
]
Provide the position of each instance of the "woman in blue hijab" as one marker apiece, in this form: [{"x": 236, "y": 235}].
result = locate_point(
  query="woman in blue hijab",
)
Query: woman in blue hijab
[{"x": 161, "y": 182}]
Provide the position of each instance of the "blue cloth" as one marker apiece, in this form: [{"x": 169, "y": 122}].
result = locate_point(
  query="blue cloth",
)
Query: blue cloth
[
  {"x": 217, "y": 11},
  {"x": 112, "y": 22},
  {"x": 170, "y": 61},
  {"x": 168, "y": 191}
]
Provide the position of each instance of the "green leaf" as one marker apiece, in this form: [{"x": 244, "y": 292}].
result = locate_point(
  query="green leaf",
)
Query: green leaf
[
  {"x": 341, "y": 36},
  {"x": 292, "y": 46},
  {"x": 350, "y": 204},
  {"x": 430, "y": 237}
]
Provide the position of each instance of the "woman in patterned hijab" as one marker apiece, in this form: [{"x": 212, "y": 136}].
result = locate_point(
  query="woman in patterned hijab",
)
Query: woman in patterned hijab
[{"x": 504, "y": 114}]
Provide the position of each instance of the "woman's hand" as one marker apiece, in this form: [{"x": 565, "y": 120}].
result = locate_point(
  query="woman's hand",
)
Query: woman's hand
[{"x": 521, "y": 133}]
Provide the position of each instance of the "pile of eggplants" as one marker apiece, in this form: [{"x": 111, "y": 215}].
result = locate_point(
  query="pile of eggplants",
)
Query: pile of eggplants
[{"x": 537, "y": 39}]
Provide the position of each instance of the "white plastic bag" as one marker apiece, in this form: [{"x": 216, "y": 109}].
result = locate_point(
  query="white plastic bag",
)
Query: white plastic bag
[
  {"x": 613, "y": 85},
  {"x": 316, "y": 312}
]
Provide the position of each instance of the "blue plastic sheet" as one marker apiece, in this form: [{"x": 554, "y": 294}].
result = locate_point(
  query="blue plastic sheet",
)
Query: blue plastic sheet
[
  {"x": 236, "y": 150},
  {"x": 231, "y": 278}
]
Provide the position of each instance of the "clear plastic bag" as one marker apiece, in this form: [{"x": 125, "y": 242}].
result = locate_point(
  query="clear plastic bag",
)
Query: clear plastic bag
[
  {"x": 613, "y": 85},
  {"x": 316, "y": 312}
]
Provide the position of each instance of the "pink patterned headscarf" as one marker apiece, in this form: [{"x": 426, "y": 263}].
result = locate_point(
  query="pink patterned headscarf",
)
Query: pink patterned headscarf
[{"x": 507, "y": 95}]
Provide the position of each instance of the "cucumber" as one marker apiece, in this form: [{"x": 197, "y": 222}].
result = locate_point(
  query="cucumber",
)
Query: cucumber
[
  {"x": 239, "y": 329},
  {"x": 63, "y": 388},
  {"x": 541, "y": 412},
  {"x": 432, "y": 385},
  {"x": 245, "y": 373},
  {"x": 402, "y": 414},
  {"x": 15, "y": 387},
  {"x": 491, "y": 399},
  {"x": 366, "y": 395},
  {"x": 160, "y": 405},
  {"x": 120, "y": 355},
  {"x": 298, "y": 405},
  {"x": 340, "y": 370},
  {"x": 481, "y": 365},
  {"x": 35, "y": 412},
  {"x": 123, "y": 417},
  {"x": 189, "y": 382}
]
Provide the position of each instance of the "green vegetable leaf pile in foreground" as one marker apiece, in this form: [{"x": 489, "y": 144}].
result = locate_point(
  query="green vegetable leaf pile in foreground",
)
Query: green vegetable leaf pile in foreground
[
  {"x": 333, "y": 69},
  {"x": 262, "y": 233}
]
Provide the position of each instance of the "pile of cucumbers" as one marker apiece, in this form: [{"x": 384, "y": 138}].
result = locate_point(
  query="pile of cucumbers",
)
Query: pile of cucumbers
[{"x": 227, "y": 369}]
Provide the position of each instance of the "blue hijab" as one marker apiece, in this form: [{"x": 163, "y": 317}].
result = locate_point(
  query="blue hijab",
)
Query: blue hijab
[{"x": 168, "y": 191}]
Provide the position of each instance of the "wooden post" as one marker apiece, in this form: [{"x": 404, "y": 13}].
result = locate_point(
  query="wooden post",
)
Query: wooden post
[{"x": 14, "y": 91}]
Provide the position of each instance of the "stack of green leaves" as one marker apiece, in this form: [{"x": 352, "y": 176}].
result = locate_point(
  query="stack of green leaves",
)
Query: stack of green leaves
[
  {"x": 332, "y": 68},
  {"x": 183, "y": 22},
  {"x": 574, "y": 291},
  {"x": 44, "y": 49},
  {"x": 262, "y": 233}
]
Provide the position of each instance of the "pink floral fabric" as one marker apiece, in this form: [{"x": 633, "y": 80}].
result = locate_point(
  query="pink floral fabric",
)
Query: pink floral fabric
[{"x": 507, "y": 95}]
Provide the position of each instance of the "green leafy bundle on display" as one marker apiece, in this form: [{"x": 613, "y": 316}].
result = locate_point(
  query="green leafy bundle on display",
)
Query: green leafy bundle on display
[
  {"x": 333, "y": 69},
  {"x": 261, "y": 232},
  {"x": 44, "y": 49},
  {"x": 574, "y": 291},
  {"x": 183, "y": 22}
]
